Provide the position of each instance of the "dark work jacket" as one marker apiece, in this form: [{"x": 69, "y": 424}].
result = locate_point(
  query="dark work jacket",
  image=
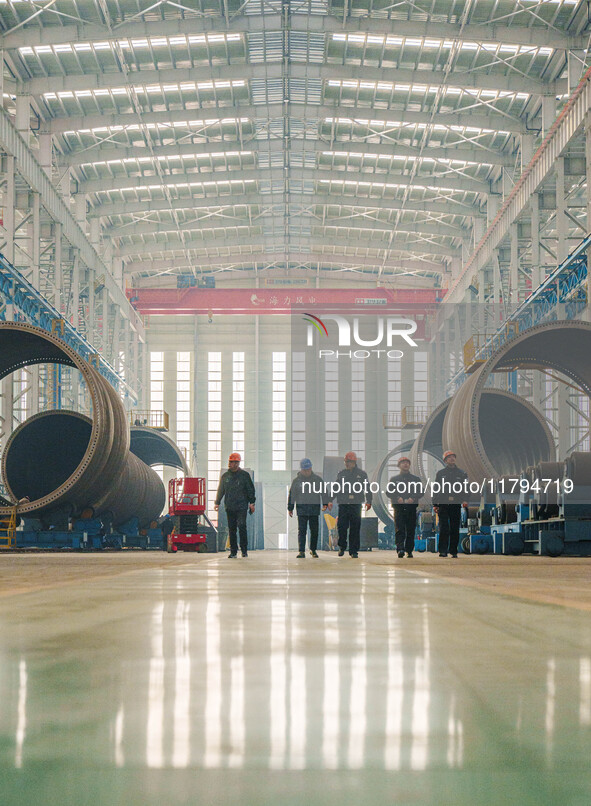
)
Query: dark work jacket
[
  {"x": 451, "y": 475},
  {"x": 405, "y": 478},
  {"x": 355, "y": 475},
  {"x": 237, "y": 490},
  {"x": 306, "y": 499}
]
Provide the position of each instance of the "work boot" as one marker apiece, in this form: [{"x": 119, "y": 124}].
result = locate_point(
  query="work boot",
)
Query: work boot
[
  {"x": 314, "y": 554},
  {"x": 409, "y": 555},
  {"x": 341, "y": 552},
  {"x": 245, "y": 553},
  {"x": 354, "y": 555},
  {"x": 401, "y": 554},
  {"x": 301, "y": 556},
  {"x": 232, "y": 555}
]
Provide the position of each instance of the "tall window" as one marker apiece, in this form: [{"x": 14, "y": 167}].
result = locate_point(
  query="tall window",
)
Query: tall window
[
  {"x": 358, "y": 406},
  {"x": 579, "y": 437},
  {"x": 394, "y": 400},
  {"x": 157, "y": 390},
  {"x": 183, "y": 403},
  {"x": 20, "y": 388},
  {"x": 156, "y": 381},
  {"x": 298, "y": 408},
  {"x": 238, "y": 402},
  {"x": 279, "y": 456},
  {"x": 420, "y": 383},
  {"x": 214, "y": 425},
  {"x": 331, "y": 406}
]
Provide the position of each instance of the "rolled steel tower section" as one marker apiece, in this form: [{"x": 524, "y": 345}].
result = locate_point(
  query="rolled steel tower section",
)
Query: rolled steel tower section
[
  {"x": 495, "y": 433},
  {"x": 473, "y": 429},
  {"x": 578, "y": 468},
  {"x": 155, "y": 448},
  {"x": 98, "y": 470},
  {"x": 429, "y": 440},
  {"x": 56, "y": 441}
]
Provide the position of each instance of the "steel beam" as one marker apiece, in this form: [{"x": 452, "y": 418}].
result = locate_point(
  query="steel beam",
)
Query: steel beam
[
  {"x": 263, "y": 200},
  {"x": 270, "y": 70},
  {"x": 254, "y": 174},
  {"x": 266, "y": 112},
  {"x": 109, "y": 152},
  {"x": 568, "y": 123},
  {"x": 261, "y": 242},
  {"x": 303, "y": 217},
  {"x": 293, "y": 259},
  {"x": 32, "y": 172},
  {"x": 500, "y": 33}
]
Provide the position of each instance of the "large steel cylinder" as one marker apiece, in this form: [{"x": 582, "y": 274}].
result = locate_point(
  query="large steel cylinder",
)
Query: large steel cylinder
[
  {"x": 471, "y": 425},
  {"x": 578, "y": 468},
  {"x": 496, "y": 433},
  {"x": 98, "y": 471},
  {"x": 155, "y": 448},
  {"x": 429, "y": 439},
  {"x": 43, "y": 453}
]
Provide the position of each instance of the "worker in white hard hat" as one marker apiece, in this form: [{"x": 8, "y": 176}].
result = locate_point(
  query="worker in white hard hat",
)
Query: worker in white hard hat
[
  {"x": 448, "y": 503},
  {"x": 404, "y": 491}
]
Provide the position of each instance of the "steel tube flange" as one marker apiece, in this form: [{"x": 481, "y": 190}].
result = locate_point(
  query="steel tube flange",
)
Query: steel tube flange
[{"x": 102, "y": 464}]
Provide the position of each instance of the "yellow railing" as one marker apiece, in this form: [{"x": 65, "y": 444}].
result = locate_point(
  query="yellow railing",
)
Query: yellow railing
[
  {"x": 150, "y": 419},
  {"x": 391, "y": 420},
  {"x": 8, "y": 531},
  {"x": 414, "y": 416}
]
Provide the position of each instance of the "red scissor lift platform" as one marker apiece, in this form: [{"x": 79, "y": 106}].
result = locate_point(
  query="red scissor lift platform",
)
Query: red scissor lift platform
[{"x": 187, "y": 500}]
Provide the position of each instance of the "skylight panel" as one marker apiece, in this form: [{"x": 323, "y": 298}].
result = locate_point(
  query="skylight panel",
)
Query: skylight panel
[
  {"x": 432, "y": 43},
  {"x": 129, "y": 43}
]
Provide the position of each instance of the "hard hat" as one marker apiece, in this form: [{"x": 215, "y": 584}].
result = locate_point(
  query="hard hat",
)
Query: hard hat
[
  {"x": 448, "y": 453},
  {"x": 306, "y": 464},
  {"x": 403, "y": 459},
  {"x": 350, "y": 457},
  {"x": 234, "y": 457}
]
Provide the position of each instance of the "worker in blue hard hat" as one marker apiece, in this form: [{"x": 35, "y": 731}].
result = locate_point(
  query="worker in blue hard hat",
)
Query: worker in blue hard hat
[{"x": 308, "y": 495}]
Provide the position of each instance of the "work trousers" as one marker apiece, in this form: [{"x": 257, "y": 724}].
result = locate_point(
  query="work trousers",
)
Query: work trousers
[
  {"x": 349, "y": 522},
  {"x": 237, "y": 522},
  {"x": 308, "y": 514},
  {"x": 449, "y": 528},
  {"x": 405, "y": 521}
]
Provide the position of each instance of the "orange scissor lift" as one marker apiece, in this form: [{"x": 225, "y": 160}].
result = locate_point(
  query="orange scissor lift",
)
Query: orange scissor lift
[{"x": 187, "y": 500}]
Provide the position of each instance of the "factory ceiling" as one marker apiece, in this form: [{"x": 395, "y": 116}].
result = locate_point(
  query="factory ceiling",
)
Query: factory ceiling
[{"x": 350, "y": 136}]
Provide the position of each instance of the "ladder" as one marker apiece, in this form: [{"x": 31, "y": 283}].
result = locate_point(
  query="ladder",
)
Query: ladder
[{"x": 8, "y": 531}]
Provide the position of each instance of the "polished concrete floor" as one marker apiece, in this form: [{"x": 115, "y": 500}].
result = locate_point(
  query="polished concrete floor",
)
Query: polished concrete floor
[{"x": 146, "y": 678}]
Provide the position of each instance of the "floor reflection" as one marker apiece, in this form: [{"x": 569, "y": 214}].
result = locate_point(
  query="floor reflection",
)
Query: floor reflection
[{"x": 225, "y": 671}]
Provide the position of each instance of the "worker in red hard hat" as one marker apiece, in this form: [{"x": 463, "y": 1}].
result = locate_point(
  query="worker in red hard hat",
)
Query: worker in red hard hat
[
  {"x": 352, "y": 487},
  {"x": 451, "y": 489},
  {"x": 237, "y": 489},
  {"x": 404, "y": 491}
]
